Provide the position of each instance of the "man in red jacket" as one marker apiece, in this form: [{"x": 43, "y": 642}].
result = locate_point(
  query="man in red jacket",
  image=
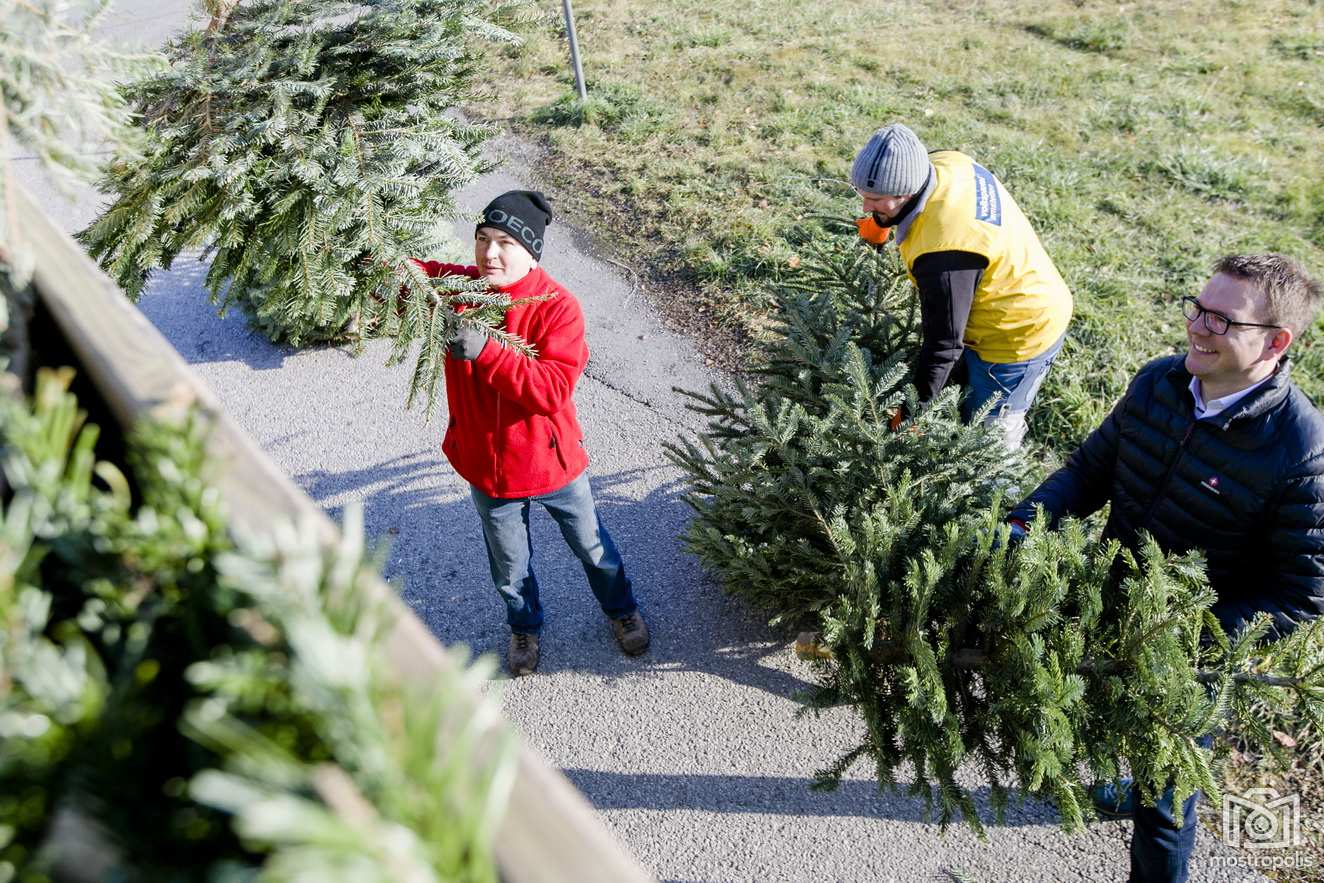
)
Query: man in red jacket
[{"x": 513, "y": 434}]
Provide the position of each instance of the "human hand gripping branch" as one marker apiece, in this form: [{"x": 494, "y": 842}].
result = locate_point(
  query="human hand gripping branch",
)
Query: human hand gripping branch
[{"x": 448, "y": 313}]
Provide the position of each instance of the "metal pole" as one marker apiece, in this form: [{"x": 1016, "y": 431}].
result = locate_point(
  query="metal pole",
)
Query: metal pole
[{"x": 574, "y": 49}]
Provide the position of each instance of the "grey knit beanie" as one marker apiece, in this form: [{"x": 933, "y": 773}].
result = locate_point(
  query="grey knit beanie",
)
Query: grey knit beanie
[{"x": 893, "y": 163}]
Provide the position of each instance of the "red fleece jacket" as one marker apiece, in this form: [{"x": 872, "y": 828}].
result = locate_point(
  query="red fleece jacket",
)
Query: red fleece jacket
[{"x": 513, "y": 431}]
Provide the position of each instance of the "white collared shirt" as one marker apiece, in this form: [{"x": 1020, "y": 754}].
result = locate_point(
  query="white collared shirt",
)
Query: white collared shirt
[{"x": 1213, "y": 408}]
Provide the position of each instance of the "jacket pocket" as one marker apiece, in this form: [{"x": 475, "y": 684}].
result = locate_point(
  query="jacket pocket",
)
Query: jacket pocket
[{"x": 555, "y": 444}]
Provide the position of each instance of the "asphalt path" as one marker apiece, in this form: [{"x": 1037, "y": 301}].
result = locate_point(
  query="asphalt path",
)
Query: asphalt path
[{"x": 693, "y": 754}]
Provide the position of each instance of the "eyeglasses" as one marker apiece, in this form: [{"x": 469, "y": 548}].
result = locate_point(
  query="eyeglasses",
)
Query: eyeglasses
[{"x": 1216, "y": 323}]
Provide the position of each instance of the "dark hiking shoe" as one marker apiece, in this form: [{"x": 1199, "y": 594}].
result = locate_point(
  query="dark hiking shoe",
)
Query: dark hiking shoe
[
  {"x": 631, "y": 633},
  {"x": 522, "y": 658},
  {"x": 1113, "y": 802}
]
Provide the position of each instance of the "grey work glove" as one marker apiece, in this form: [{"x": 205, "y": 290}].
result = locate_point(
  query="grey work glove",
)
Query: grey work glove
[{"x": 468, "y": 343}]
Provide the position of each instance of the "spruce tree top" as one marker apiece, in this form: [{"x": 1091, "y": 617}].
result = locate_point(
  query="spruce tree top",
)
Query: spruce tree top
[{"x": 307, "y": 148}]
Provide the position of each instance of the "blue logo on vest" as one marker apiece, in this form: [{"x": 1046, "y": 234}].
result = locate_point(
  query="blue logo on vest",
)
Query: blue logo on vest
[{"x": 988, "y": 202}]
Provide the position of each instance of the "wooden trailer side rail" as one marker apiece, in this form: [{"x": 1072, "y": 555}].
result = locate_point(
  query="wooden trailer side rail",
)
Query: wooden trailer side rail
[{"x": 550, "y": 832}]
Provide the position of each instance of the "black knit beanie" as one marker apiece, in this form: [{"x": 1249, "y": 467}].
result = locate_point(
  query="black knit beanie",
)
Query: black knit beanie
[{"x": 524, "y": 214}]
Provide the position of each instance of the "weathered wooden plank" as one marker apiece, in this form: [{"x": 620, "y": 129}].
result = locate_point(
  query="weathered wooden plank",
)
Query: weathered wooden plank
[{"x": 550, "y": 832}]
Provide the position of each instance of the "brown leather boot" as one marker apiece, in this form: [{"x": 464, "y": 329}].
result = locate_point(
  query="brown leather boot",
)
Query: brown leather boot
[
  {"x": 522, "y": 658},
  {"x": 631, "y": 633}
]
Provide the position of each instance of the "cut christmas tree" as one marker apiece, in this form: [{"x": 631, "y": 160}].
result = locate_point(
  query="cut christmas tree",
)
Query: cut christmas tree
[
  {"x": 1040, "y": 667},
  {"x": 216, "y": 707},
  {"x": 308, "y": 150}
]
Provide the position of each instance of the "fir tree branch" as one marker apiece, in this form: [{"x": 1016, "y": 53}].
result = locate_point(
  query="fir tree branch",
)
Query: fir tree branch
[
  {"x": 810, "y": 646},
  {"x": 251, "y": 668},
  {"x": 289, "y": 140},
  {"x": 1045, "y": 668}
]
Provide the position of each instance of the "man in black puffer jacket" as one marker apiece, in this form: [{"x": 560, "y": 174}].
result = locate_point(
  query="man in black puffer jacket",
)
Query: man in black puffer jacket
[{"x": 1215, "y": 450}]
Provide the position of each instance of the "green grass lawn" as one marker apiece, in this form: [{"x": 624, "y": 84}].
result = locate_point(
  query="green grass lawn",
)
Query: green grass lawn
[{"x": 1143, "y": 140}]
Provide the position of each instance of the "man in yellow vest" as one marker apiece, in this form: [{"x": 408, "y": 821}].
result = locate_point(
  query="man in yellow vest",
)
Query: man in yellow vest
[{"x": 989, "y": 294}]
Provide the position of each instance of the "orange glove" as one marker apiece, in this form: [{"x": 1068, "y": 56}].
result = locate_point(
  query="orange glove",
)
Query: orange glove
[
  {"x": 871, "y": 232},
  {"x": 898, "y": 417}
]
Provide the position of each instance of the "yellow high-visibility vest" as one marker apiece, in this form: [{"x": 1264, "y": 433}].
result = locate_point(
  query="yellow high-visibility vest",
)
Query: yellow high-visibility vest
[{"x": 1022, "y": 305}]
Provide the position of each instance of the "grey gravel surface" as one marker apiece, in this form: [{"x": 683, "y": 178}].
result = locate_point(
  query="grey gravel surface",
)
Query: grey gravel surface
[{"x": 692, "y": 753}]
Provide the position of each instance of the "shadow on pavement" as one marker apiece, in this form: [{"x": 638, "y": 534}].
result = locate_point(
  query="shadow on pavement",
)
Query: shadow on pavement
[
  {"x": 436, "y": 554},
  {"x": 176, "y": 302},
  {"x": 695, "y": 626},
  {"x": 391, "y": 491},
  {"x": 774, "y": 795}
]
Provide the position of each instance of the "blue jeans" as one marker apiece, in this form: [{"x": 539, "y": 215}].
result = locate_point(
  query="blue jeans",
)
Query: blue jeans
[
  {"x": 510, "y": 551},
  {"x": 1013, "y": 385},
  {"x": 1160, "y": 850}
]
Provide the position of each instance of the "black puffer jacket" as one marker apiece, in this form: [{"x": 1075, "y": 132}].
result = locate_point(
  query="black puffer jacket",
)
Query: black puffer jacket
[{"x": 1246, "y": 486}]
